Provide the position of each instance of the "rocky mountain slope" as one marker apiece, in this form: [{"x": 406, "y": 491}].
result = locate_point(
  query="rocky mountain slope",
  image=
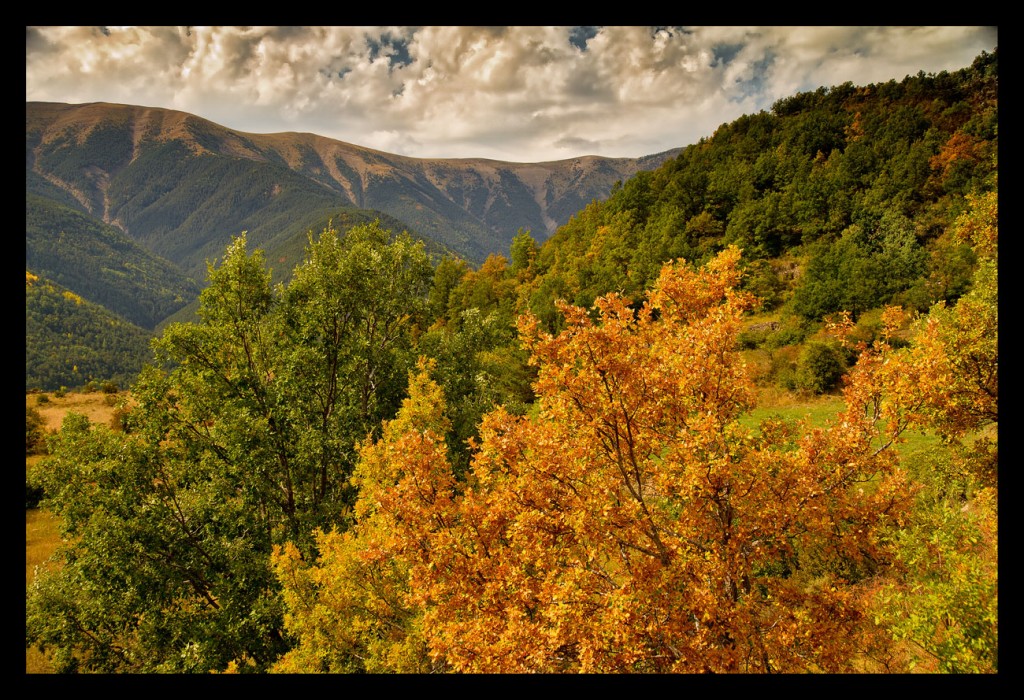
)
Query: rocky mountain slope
[{"x": 182, "y": 186}]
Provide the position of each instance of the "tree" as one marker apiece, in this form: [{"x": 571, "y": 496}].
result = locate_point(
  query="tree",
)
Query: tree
[
  {"x": 161, "y": 568},
  {"x": 629, "y": 523},
  {"x": 447, "y": 275},
  {"x": 350, "y": 608},
  {"x": 970, "y": 330},
  {"x": 244, "y": 436},
  {"x": 35, "y": 430},
  {"x": 820, "y": 367},
  {"x": 523, "y": 252}
]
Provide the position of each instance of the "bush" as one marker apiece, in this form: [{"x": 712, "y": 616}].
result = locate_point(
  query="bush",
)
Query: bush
[
  {"x": 751, "y": 339},
  {"x": 43, "y": 398},
  {"x": 33, "y": 494},
  {"x": 820, "y": 367},
  {"x": 792, "y": 331},
  {"x": 35, "y": 430}
]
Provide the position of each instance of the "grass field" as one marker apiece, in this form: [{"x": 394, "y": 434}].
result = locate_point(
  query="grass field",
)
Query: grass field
[{"x": 819, "y": 410}]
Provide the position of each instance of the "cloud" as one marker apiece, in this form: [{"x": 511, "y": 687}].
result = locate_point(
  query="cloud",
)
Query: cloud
[{"x": 512, "y": 93}]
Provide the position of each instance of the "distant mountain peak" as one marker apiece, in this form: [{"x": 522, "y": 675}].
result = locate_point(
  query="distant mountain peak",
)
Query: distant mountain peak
[{"x": 152, "y": 172}]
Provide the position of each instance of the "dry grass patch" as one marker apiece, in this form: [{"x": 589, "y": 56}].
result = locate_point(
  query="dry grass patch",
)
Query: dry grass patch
[
  {"x": 97, "y": 406},
  {"x": 41, "y": 539}
]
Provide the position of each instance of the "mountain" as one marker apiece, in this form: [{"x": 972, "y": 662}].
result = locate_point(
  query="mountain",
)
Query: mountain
[
  {"x": 181, "y": 186},
  {"x": 125, "y": 206}
]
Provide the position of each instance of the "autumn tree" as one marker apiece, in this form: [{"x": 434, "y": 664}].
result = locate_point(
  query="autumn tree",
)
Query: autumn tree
[{"x": 629, "y": 523}]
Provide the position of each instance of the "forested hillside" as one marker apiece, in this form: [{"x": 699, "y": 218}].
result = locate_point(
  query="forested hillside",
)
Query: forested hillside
[
  {"x": 98, "y": 263},
  {"x": 840, "y": 198},
  {"x": 70, "y": 342},
  {"x": 102, "y": 264},
  {"x": 560, "y": 460}
]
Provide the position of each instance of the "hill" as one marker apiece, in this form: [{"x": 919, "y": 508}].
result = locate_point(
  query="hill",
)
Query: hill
[
  {"x": 102, "y": 264},
  {"x": 840, "y": 198},
  {"x": 70, "y": 341}
]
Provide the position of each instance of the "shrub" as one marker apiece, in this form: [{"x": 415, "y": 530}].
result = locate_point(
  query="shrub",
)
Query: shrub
[
  {"x": 35, "y": 430},
  {"x": 751, "y": 339},
  {"x": 820, "y": 367},
  {"x": 33, "y": 494},
  {"x": 43, "y": 398},
  {"x": 792, "y": 331}
]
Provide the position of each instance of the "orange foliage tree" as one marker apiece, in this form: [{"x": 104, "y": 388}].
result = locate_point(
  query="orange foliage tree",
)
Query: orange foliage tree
[{"x": 629, "y": 523}]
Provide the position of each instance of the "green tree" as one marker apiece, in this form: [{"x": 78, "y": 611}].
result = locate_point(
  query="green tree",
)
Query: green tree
[
  {"x": 820, "y": 367},
  {"x": 244, "y": 436},
  {"x": 447, "y": 275},
  {"x": 35, "y": 429},
  {"x": 523, "y": 252}
]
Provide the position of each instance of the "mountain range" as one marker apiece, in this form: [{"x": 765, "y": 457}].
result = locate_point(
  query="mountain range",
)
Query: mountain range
[
  {"x": 181, "y": 186},
  {"x": 126, "y": 206}
]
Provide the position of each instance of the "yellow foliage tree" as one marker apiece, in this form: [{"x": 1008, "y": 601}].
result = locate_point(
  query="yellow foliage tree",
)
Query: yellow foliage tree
[
  {"x": 349, "y": 610},
  {"x": 629, "y": 523}
]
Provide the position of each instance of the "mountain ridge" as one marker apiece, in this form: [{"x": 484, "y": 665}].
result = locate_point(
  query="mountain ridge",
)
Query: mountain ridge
[{"x": 473, "y": 205}]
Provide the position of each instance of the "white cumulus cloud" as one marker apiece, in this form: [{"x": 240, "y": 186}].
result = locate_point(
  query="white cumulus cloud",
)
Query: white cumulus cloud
[{"x": 512, "y": 93}]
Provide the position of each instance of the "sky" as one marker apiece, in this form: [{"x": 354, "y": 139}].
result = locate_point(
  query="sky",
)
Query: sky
[{"x": 521, "y": 94}]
